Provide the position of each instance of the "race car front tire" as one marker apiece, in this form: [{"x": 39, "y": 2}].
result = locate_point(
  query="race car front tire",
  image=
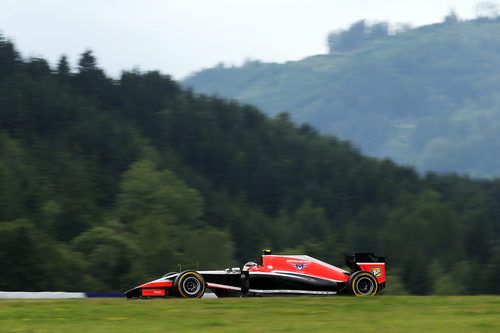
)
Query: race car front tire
[
  {"x": 363, "y": 283},
  {"x": 189, "y": 284}
]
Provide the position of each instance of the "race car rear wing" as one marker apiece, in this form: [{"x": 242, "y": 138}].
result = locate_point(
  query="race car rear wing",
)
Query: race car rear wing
[
  {"x": 367, "y": 262},
  {"x": 352, "y": 260}
]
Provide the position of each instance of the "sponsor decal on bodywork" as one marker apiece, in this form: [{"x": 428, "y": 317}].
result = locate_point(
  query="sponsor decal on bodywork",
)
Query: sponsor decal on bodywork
[
  {"x": 153, "y": 292},
  {"x": 377, "y": 271},
  {"x": 299, "y": 264}
]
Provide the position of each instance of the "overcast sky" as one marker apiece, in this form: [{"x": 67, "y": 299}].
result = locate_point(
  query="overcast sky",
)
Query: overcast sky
[{"x": 178, "y": 37}]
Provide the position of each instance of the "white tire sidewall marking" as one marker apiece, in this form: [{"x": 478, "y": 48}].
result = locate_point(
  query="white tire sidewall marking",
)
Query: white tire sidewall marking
[{"x": 362, "y": 278}]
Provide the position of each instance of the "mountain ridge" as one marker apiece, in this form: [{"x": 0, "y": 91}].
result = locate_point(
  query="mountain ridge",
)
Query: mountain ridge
[{"x": 413, "y": 96}]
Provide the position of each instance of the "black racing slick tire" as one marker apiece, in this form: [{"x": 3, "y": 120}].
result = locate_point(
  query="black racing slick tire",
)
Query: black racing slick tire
[
  {"x": 363, "y": 283},
  {"x": 189, "y": 284}
]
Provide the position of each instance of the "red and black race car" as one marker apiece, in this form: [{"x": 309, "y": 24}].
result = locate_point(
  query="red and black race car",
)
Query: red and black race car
[{"x": 276, "y": 275}]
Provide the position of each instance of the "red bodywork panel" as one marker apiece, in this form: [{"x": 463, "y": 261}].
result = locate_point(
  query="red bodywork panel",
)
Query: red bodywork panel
[
  {"x": 301, "y": 265},
  {"x": 153, "y": 292},
  {"x": 377, "y": 269}
]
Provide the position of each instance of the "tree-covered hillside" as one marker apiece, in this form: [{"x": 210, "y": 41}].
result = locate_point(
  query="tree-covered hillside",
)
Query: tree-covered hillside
[
  {"x": 108, "y": 182},
  {"x": 427, "y": 97}
]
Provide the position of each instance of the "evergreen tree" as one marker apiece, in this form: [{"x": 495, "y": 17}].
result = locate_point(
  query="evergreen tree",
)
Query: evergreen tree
[
  {"x": 9, "y": 57},
  {"x": 63, "y": 68},
  {"x": 87, "y": 62},
  {"x": 451, "y": 18}
]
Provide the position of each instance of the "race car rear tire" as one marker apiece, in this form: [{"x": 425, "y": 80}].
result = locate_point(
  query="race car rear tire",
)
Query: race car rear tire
[
  {"x": 363, "y": 283},
  {"x": 189, "y": 284}
]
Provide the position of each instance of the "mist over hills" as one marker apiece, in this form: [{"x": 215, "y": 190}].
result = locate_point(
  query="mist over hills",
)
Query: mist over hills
[{"x": 427, "y": 97}]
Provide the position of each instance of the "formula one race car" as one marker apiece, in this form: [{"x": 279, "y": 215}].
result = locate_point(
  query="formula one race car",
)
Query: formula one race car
[{"x": 276, "y": 275}]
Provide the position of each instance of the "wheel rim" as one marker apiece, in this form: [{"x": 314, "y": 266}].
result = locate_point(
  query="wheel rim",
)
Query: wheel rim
[
  {"x": 365, "y": 285},
  {"x": 191, "y": 285}
]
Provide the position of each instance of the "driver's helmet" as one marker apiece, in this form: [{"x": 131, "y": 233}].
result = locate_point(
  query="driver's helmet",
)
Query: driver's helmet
[{"x": 249, "y": 265}]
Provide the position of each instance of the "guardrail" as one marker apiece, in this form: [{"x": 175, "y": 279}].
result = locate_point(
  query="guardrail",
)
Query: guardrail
[
  {"x": 53, "y": 294},
  {"x": 62, "y": 294}
]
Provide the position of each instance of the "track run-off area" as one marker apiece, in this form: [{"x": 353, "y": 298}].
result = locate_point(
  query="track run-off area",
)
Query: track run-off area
[{"x": 276, "y": 314}]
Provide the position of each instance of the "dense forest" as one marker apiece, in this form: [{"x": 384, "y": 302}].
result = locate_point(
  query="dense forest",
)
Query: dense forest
[
  {"x": 426, "y": 97},
  {"x": 105, "y": 183}
]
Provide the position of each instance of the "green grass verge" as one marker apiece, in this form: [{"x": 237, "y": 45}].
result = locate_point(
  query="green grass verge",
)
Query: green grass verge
[{"x": 283, "y": 314}]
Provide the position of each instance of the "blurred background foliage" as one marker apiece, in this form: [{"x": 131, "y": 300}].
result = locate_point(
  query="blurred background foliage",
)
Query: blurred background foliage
[{"x": 105, "y": 183}]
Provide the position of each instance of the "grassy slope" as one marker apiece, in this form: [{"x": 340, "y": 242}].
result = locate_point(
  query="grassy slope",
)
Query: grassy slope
[{"x": 378, "y": 314}]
